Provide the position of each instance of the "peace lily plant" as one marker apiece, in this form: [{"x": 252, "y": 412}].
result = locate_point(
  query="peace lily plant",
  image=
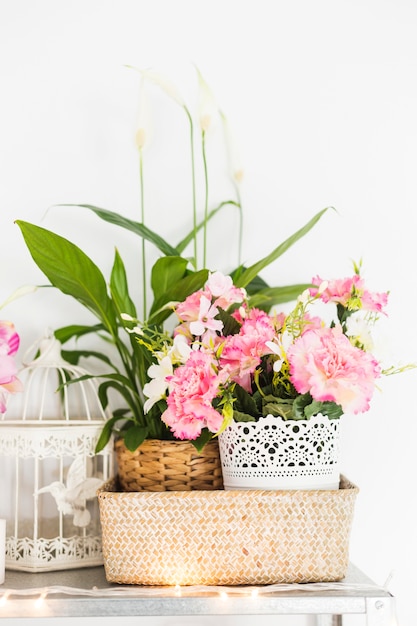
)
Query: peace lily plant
[{"x": 139, "y": 335}]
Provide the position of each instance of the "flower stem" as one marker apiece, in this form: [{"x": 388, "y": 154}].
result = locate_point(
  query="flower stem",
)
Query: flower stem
[
  {"x": 142, "y": 213},
  {"x": 203, "y": 146},
  {"x": 193, "y": 184},
  {"x": 239, "y": 202}
]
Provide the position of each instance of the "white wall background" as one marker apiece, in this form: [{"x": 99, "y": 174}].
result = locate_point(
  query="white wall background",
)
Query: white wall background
[{"x": 322, "y": 97}]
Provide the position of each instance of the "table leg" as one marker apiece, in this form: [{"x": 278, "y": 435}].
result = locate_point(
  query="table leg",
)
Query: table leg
[{"x": 329, "y": 620}]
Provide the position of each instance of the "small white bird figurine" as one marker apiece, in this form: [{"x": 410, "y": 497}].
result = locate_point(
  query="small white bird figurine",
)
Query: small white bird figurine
[{"x": 71, "y": 498}]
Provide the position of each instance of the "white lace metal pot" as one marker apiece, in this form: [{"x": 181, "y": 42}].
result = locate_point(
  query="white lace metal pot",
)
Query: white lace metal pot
[{"x": 272, "y": 453}]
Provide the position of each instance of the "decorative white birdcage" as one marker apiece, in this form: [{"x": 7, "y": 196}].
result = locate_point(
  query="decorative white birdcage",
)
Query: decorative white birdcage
[{"x": 49, "y": 471}]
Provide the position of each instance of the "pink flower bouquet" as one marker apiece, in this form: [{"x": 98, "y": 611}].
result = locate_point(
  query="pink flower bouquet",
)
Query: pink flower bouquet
[{"x": 228, "y": 360}]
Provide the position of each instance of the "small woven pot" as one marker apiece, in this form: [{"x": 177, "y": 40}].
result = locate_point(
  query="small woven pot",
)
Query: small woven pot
[{"x": 159, "y": 465}]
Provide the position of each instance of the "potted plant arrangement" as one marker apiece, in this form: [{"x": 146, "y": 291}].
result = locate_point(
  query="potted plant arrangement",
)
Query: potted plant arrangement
[
  {"x": 174, "y": 276},
  {"x": 199, "y": 371}
]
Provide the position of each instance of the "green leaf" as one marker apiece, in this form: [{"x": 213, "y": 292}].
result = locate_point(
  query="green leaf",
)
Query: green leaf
[
  {"x": 245, "y": 402},
  {"x": 119, "y": 287},
  {"x": 134, "y": 436},
  {"x": 135, "y": 227},
  {"x": 66, "y": 333},
  {"x": 188, "y": 238},
  {"x": 106, "y": 433},
  {"x": 305, "y": 407},
  {"x": 123, "y": 385},
  {"x": 251, "y": 272},
  {"x": 70, "y": 270},
  {"x": 331, "y": 409},
  {"x": 204, "y": 437},
  {"x": 230, "y": 325},
  {"x": 255, "y": 286},
  {"x": 271, "y": 296},
  {"x": 74, "y": 356},
  {"x": 176, "y": 293},
  {"x": 283, "y": 407},
  {"x": 166, "y": 272},
  {"x": 239, "y": 416}
]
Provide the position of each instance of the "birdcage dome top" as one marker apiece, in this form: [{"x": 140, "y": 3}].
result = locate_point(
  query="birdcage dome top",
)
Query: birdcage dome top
[{"x": 55, "y": 392}]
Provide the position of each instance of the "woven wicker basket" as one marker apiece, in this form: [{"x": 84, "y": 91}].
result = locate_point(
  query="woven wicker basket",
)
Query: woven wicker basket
[
  {"x": 226, "y": 537},
  {"x": 159, "y": 465}
]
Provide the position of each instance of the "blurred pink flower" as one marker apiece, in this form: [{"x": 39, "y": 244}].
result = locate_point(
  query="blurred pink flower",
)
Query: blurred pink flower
[
  {"x": 9, "y": 344},
  {"x": 9, "y": 339}
]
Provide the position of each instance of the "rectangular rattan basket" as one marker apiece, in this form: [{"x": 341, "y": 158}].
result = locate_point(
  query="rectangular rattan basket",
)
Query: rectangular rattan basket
[{"x": 226, "y": 537}]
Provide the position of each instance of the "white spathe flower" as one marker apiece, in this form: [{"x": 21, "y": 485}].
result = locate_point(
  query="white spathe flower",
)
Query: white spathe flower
[
  {"x": 144, "y": 124},
  {"x": 235, "y": 165},
  {"x": 165, "y": 84},
  {"x": 207, "y": 105}
]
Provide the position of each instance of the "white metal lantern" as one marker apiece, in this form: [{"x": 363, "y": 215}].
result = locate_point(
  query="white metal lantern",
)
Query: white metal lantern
[{"x": 49, "y": 471}]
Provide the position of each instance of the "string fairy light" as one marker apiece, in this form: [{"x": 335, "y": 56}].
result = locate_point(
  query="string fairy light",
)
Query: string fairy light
[{"x": 177, "y": 590}]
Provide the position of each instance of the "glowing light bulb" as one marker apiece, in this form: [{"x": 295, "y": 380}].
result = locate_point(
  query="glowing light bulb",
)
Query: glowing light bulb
[
  {"x": 39, "y": 601},
  {"x": 4, "y": 598}
]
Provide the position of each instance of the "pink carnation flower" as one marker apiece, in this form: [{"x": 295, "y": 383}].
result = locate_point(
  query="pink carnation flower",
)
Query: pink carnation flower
[
  {"x": 324, "y": 363},
  {"x": 242, "y": 353},
  {"x": 198, "y": 315},
  {"x": 188, "y": 310},
  {"x": 192, "y": 388},
  {"x": 374, "y": 301},
  {"x": 343, "y": 289},
  {"x": 339, "y": 290}
]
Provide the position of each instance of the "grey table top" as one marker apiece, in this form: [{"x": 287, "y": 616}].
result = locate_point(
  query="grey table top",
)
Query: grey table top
[{"x": 86, "y": 592}]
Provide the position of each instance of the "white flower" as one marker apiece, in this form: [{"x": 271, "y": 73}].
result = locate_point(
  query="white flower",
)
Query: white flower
[
  {"x": 323, "y": 286},
  {"x": 218, "y": 283},
  {"x": 207, "y": 106},
  {"x": 180, "y": 350},
  {"x": 304, "y": 297},
  {"x": 156, "y": 388},
  {"x": 358, "y": 329},
  {"x": 126, "y": 317},
  {"x": 236, "y": 168},
  {"x": 143, "y": 127},
  {"x": 166, "y": 85},
  {"x": 279, "y": 347}
]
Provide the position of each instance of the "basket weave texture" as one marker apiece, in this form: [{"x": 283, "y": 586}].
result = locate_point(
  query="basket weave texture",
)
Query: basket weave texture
[
  {"x": 159, "y": 465},
  {"x": 226, "y": 537}
]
